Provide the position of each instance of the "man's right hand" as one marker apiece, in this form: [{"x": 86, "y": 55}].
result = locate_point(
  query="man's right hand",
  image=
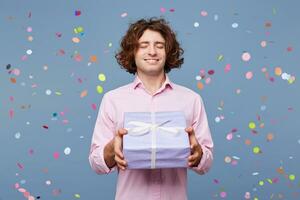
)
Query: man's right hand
[{"x": 118, "y": 149}]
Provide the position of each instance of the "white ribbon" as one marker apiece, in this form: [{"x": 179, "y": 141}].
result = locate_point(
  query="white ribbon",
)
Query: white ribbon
[{"x": 143, "y": 128}]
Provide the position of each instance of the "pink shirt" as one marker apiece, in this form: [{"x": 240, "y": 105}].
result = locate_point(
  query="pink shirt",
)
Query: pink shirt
[{"x": 150, "y": 184}]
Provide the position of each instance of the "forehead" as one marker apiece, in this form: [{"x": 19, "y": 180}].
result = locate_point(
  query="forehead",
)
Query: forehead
[{"x": 151, "y": 36}]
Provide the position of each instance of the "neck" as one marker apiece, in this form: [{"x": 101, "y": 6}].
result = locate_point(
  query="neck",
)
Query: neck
[{"x": 152, "y": 83}]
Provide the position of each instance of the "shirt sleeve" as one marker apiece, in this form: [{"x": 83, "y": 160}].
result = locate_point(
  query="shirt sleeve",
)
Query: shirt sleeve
[
  {"x": 103, "y": 133},
  {"x": 203, "y": 135}
]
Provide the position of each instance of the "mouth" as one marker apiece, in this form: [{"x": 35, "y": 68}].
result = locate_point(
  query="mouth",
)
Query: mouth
[{"x": 152, "y": 60}]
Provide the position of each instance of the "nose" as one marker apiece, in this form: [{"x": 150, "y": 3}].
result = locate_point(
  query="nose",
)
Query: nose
[{"x": 152, "y": 50}]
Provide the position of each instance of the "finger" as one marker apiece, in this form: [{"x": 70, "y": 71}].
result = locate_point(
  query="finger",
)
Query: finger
[
  {"x": 120, "y": 161},
  {"x": 193, "y": 148},
  {"x": 193, "y": 157},
  {"x": 119, "y": 153},
  {"x": 121, "y": 132}
]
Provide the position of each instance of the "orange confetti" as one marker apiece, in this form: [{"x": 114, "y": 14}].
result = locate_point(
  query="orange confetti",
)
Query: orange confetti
[
  {"x": 278, "y": 71},
  {"x": 247, "y": 142},
  {"x": 93, "y": 58},
  {"x": 83, "y": 93},
  {"x": 280, "y": 170},
  {"x": 270, "y": 137},
  {"x": 13, "y": 80},
  {"x": 200, "y": 85}
]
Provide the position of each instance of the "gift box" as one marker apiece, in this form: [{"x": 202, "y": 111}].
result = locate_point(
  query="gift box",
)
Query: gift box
[{"x": 155, "y": 140}]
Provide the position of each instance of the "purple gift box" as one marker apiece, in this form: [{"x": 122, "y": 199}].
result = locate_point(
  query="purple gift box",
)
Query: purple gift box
[{"x": 155, "y": 140}]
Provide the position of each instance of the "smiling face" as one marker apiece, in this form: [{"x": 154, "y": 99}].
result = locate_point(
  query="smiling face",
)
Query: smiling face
[{"x": 150, "y": 56}]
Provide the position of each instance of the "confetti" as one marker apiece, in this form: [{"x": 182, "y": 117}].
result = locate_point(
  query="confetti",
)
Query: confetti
[{"x": 246, "y": 56}]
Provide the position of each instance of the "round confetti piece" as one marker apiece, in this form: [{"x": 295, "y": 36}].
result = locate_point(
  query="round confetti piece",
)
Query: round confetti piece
[
  {"x": 124, "y": 15},
  {"x": 208, "y": 80},
  {"x": 172, "y": 9},
  {"x": 261, "y": 183},
  {"x": 162, "y": 10},
  {"x": 18, "y": 135},
  {"x": 204, "y": 13},
  {"x": 223, "y": 194},
  {"x": 56, "y": 155},
  {"x": 93, "y": 58},
  {"x": 251, "y": 125},
  {"x": 110, "y": 44},
  {"x": 16, "y": 72},
  {"x": 29, "y": 51},
  {"x": 255, "y": 198},
  {"x": 48, "y": 92},
  {"x": 285, "y": 76},
  {"x": 291, "y": 79},
  {"x": 77, "y": 196},
  {"x": 249, "y": 75},
  {"x": 235, "y": 25},
  {"x": 247, "y": 195},
  {"x": 67, "y": 151},
  {"x": 292, "y": 177},
  {"x": 246, "y": 56},
  {"x": 227, "y": 159},
  {"x": 270, "y": 137},
  {"x": 211, "y": 72},
  {"x": 278, "y": 71},
  {"x": 48, "y": 182},
  {"x": 101, "y": 77},
  {"x": 75, "y": 40},
  {"x": 200, "y": 85},
  {"x": 263, "y": 44},
  {"x": 263, "y": 107},
  {"x": 196, "y": 24},
  {"x": 99, "y": 89},
  {"x": 256, "y": 150},
  {"x": 217, "y": 119},
  {"x": 30, "y": 38},
  {"x": 216, "y": 17},
  {"x": 229, "y": 136},
  {"x": 198, "y": 78},
  {"x": 248, "y": 142},
  {"x": 289, "y": 49},
  {"x": 29, "y": 29}
]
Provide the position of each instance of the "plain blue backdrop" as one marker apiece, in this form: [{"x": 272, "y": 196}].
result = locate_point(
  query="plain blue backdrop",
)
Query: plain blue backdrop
[{"x": 49, "y": 100}]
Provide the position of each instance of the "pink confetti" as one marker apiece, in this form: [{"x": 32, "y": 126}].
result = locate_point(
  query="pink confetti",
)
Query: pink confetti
[
  {"x": 11, "y": 98},
  {"x": 223, "y": 194},
  {"x": 22, "y": 190},
  {"x": 249, "y": 75},
  {"x": 94, "y": 106},
  {"x": 227, "y": 68},
  {"x": 204, "y": 13},
  {"x": 162, "y": 10},
  {"x": 246, "y": 56},
  {"x": 58, "y": 34},
  {"x": 23, "y": 57},
  {"x": 172, "y": 10},
  {"x": 56, "y": 155},
  {"x": 211, "y": 72},
  {"x": 11, "y": 113},
  {"x": 229, "y": 136},
  {"x": 17, "y": 185}
]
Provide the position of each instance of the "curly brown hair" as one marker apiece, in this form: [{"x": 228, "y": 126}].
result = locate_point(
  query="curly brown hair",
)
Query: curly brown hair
[{"x": 129, "y": 44}]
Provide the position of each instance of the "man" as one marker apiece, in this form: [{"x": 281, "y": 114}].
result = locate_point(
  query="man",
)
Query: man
[{"x": 149, "y": 50}]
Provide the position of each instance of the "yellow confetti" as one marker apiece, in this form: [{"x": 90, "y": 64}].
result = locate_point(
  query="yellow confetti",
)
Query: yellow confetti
[
  {"x": 99, "y": 89},
  {"x": 77, "y": 196},
  {"x": 292, "y": 177},
  {"x": 252, "y": 125},
  {"x": 101, "y": 77},
  {"x": 256, "y": 150}
]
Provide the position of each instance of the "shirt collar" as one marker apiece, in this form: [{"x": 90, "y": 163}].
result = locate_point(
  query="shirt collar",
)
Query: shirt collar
[{"x": 137, "y": 81}]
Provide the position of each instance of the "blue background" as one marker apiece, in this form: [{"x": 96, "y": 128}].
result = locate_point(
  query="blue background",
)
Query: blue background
[{"x": 27, "y": 148}]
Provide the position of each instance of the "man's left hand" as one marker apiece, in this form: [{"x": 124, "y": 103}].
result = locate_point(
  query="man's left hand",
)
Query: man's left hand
[{"x": 196, "y": 150}]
